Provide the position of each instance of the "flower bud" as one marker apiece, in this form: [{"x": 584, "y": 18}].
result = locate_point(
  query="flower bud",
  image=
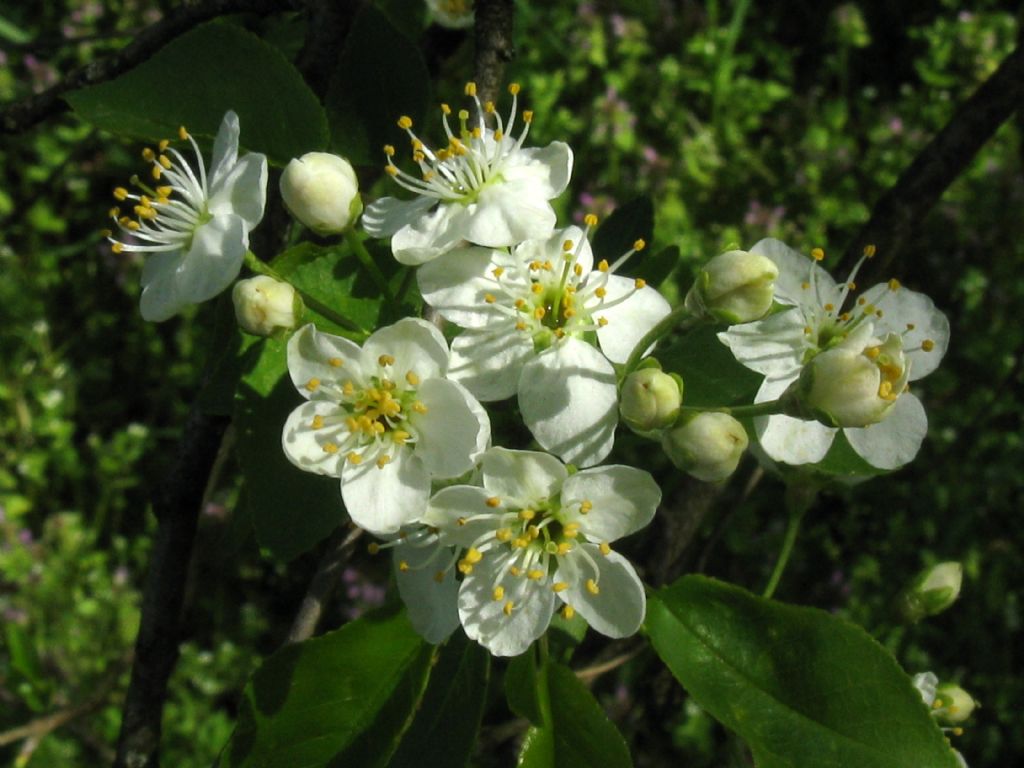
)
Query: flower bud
[
  {"x": 734, "y": 287},
  {"x": 321, "y": 191},
  {"x": 650, "y": 400},
  {"x": 707, "y": 445},
  {"x": 854, "y": 384},
  {"x": 952, "y": 703},
  {"x": 264, "y": 305},
  {"x": 934, "y": 590}
]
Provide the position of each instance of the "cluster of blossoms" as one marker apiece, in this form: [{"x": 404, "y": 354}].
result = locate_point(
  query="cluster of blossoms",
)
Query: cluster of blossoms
[{"x": 484, "y": 536}]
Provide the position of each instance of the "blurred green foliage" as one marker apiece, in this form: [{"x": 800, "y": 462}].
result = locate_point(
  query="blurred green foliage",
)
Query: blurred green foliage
[{"x": 741, "y": 121}]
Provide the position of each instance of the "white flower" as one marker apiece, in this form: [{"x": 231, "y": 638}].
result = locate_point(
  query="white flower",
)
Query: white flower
[
  {"x": 382, "y": 418},
  {"x": 706, "y": 445},
  {"x": 264, "y": 305},
  {"x": 453, "y": 14},
  {"x": 946, "y": 701},
  {"x": 780, "y": 345},
  {"x": 734, "y": 287},
  {"x": 195, "y": 225},
  {"x": 482, "y": 187},
  {"x": 321, "y": 190},
  {"x": 535, "y": 536},
  {"x": 532, "y": 317}
]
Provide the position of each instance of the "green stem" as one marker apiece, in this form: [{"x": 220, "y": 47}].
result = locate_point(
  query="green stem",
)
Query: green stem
[
  {"x": 680, "y": 315},
  {"x": 262, "y": 268},
  {"x": 407, "y": 280},
  {"x": 769, "y": 408},
  {"x": 798, "y": 501},
  {"x": 543, "y": 694},
  {"x": 371, "y": 266}
]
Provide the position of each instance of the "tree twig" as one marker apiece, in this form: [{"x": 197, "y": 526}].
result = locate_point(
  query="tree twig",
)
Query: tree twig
[
  {"x": 156, "y": 650},
  {"x": 325, "y": 581},
  {"x": 900, "y": 211},
  {"x": 494, "y": 45},
  {"x": 25, "y": 114},
  {"x": 588, "y": 674}
]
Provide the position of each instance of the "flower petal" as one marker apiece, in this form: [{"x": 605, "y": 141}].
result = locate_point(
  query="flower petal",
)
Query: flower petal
[
  {"x": 789, "y": 440},
  {"x": 225, "y": 147},
  {"x": 304, "y": 445},
  {"x": 523, "y": 478},
  {"x": 623, "y": 500},
  {"x": 384, "y": 217},
  {"x": 432, "y": 234},
  {"x": 618, "y": 609},
  {"x": 310, "y": 353},
  {"x": 509, "y": 212},
  {"x": 160, "y": 299},
  {"x": 896, "y": 439},
  {"x": 453, "y": 432},
  {"x": 457, "y": 283},
  {"x": 488, "y": 362},
  {"x": 794, "y": 273},
  {"x": 383, "y": 499},
  {"x": 569, "y": 401},
  {"x": 556, "y": 158},
  {"x": 432, "y": 605},
  {"x": 629, "y": 320},
  {"x": 773, "y": 346},
  {"x": 913, "y": 316},
  {"x": 549, "y": 247},
  {"x": 214, "y": 260},
  {"x": 451, "y": 511},
  {"x": 484, "y": 618},
  {"x": 241, "y": 190},
  {"x": 416, "y": 346}
]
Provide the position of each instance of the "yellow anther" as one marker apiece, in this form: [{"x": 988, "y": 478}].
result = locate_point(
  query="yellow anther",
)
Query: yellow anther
[
  {"x": 894, "y": 284},
  {"x": 156, "y": 172},
  {"x": 515, "y": 570},
  {"x": 489, "y": 298},
  {"x": 405, "y": 122},
  {"x": 419, "y": 407},
  {"x": 927, "y": 345},
  {"x": 547, "y": 266},
  {"x": 829, "y": 307},
  {"x": 318, "y": 422},
  {"x": 509, "y": 606},
  {"x": 527, "y": 514},
  {"x": 399, "y": 436},
  {"x": 182, "y": 133},
  {"x": 539, "y": 313},
  {"x": 639, "y": 283},
  {"x": 559, "y": 586},
  {"x": 513, "y": 88},
  {"x": 586, "y": 506},
  {"x": 391, "y": 170},
  {"x": 354, "y": 458},
  {"x": 805, "y": 285},
  {"x": 473, "y": 556},
  {"x": 572, "y": 530},
  {"x": 861, "y": 301},
  {"x": 489, "y": 107},
  {"x": 522, "y": 542},
  {"x": 403, "y": 566},
  {"x": 132, "y": 225},
  {"x": 520, "y": 325},
  {"x": 958, "y": 731},
  {"x": 373, "y": 548},
  {"x": 639, "y": 244},
  {"x": 498, "y": 271},
  {"x": 120, "y": 193},
  {"x": 445, "y": 109},
  {"x": 605, "y": 549},
  {"x": 389, "y": 150},
  {"x": 817, "y": 254},
  {"x": 533, "y": 531},
  {"x": 590, "y": 220},
  {"x": 537, "y": 288},
  {"x": 493, "y": 501},
  {"x": 602, "y": 265},
  {"x": 852, "y": 286},
  {"x": 384, "y": 360},
  {"x": 568, "y": 314},
  {"x": 567, "y": 245},
  {"x": 528, "y": 116},
  {"x": 879, "y": 313},
  {"x": 602, "y": 321},
  {"x": 568, "y": 612},
  {"x": 412, "y": 378},
  {"x": 845, "y": 317},
  {"x": 592, "y": 587},
  {"x": 165, "y": 161},
  {"x": 465, "y": 568},
  {"x": 911, "y": 326},
  {"x": 577, "y": 270},
  {"x": 872, "y": 353},
  {"x": 498, "y": 593},
  {"x": 564, "y": 548},
  {"x": 148, "y": 155},
  {"x": 535, "y": 574},
  {"x": 885, "y": 391},
  {"x": 312, "y": 384},
  {"x": 470, "y": 88},
  {"x": 348, "y": 389},
  {"x": 869, "y": 251},
  {"x": 503, "y": 534},
  {"x": 331, "y": 448},
  {"x": 418, "y": 157}
]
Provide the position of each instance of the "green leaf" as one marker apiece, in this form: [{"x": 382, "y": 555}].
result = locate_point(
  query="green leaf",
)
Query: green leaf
[
  {"x": 711, "y": 375},
  {"x": 621, "y": 229},
  {"x": 380, "y": 76},
  {"x": 801, "y": 686},
  {"x": 842, "y": 461},
  {"x": 656, "y": 268},
  {"x": 342, "y": 699},
  {"x": 521, "y": 687},
  {"x": 579, "y": 734},
  {"x": 444, "y": 731},
  {"x": 196, "y": 78}
]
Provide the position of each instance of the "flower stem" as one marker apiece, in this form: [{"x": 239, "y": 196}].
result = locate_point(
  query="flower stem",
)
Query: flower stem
[
  {"x": 744, "y": 411},
  {"x": 262, "y": 268},
  {"x": 798, "y": 501},
  {"x": 371, "y": 266},
  {"x": 543, "y": 694},
  {"x": 680, "y": 315}
]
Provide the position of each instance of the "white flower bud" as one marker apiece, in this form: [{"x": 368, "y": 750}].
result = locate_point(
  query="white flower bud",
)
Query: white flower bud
[
  {"x": 707, "y": 445},
  {"x": 734, "y": 287},
  {"x": 856, "y": 383},
  {"x": 650, "y": 400},
  {"x": 933, "y": 590},
  {"x": 952, "y": 703},
  {"x": 453, "y": 14},
  {"x": 264, "y": 305},
  {"x": 321, "y": 190}
]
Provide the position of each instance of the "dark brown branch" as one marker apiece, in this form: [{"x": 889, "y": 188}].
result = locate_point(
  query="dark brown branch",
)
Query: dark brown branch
[
  {"x": 494, "y": 45},
  {"x": 176, "y": 507},
  {"x": 325, "y": 581},
  {"x": 25, "y": 114},
  {"x": 900, "y": 211}
]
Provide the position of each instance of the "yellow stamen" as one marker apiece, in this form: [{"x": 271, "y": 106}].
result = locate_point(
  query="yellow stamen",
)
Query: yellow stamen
[
  {"x": 817, "y": 254},
  {"x": 507, "y": 610},
  {"x": 498, "y": 593},
  {"x": 568, "y": 612},
  {"x": 592, "y": 587},
  {"x": 330, "y": 448},
  {"x": 927, "y": 345}
]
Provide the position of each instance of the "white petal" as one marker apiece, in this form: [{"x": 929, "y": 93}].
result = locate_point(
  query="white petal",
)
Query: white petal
[
  {"x": 416, "y": 345},
  {"x": 623, "y": 500},
  {"x": 160, "y": 298},
  {"x": 526, "y": 477},
  {"x": 794, "y": 271},
  {"x": 773, "y": 346},
  {"x": 304, "y": 445},
  {"x": 432, "y": 234},
  {"x": 509, "y": 212},
  {"x": 450, "y": 510},
  {"x": 488, "y": 362},
  {"x": 556, "y": 158},
  {"x": 484, "y": 618},
  {"x": 902, "y": 308},
  {"x": 309, "y": 353},
  {"x": 382, "y": 500},
  {"x": 225, "y": 147},
  {"x": 568, "y": 399},
  {"x": 630, "y": 320},
  {"x": 456, "y": 285},
  {"x": 214, "y": 260},
  {"x": 789, "y": 440},
  {"x": 453, "y": 432},
  {"x": 386, "y": 216},
  {"x": 432, "y": 605},
  {"x": 549, "y": 247},
  {"x": 242, "y": 190},
  {"x": 619, "y": 607},
  {"x": 896, "y": 439}
]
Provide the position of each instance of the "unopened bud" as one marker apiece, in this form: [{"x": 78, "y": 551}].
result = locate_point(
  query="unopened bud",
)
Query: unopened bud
[
  {"x": 954, "y": 703},
  {"x": 734, "y": 287},
  {"x": 706, "y": 445},
  {"x": 264, "y": 305},
  {"x": 934, "y": 590},
  {"x": 321, "y": 191},
  {"x": 650, "y": 400}
]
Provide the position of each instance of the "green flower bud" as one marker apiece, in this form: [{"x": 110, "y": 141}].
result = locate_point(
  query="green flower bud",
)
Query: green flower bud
[
  {"x": 650, "y": 400},
  {"x": 933, "y": 590},
  {"x": 264, "y": 305},
  {"x": 321, "y": 190},
  {"x": 734, "y": 287},
  {"x": 707, "y": 445},
  {"x": 952, "y": 703}
]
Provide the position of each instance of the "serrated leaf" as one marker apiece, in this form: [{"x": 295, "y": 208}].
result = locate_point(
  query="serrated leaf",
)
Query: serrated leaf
[
  {"x": 342, "y": 699},
  {"x": 621, "y": 229},
  {"x": 711, "y": 375},
  {"x": 380, "y": 76},
  {"x": 196, "y": 78},
  {"x": 801, "y": 686},
  {"x": 444, "y": 731}
]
